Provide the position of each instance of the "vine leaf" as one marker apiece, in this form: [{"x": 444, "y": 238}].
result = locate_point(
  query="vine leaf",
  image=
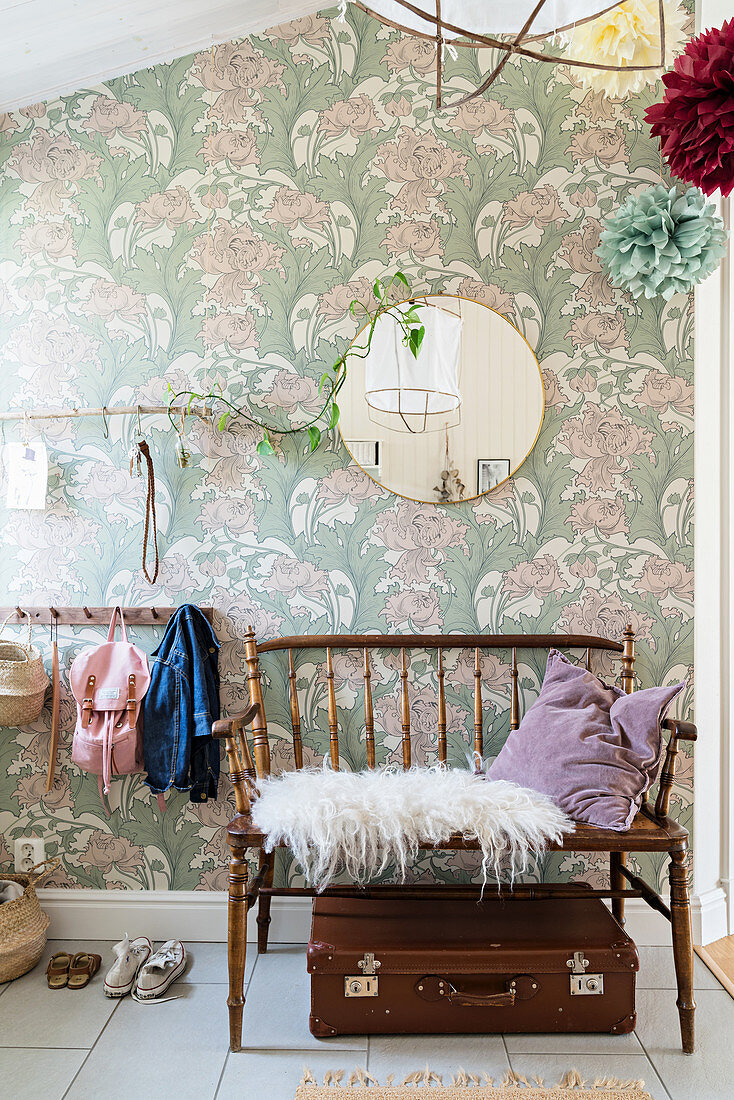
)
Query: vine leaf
[
  {"x": 415, "y": 339},
  {"x": 223, "y": 421},
  {"x": 334, "y": 418},
  {"x": 265, "y": 447},
  {"x": 314, "y": 435}
]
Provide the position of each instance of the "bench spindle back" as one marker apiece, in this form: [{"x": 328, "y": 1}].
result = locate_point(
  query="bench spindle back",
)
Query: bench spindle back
[
  {"x": 366, "y": 642},
  {"x": 441, "y": 723},
  {"x": 369, "y": 719}
]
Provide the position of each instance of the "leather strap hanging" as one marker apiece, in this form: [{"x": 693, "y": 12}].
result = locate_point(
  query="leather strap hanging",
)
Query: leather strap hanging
[
  {"x": 149, "y": 513},
  {"x": 55, "y": 707}
]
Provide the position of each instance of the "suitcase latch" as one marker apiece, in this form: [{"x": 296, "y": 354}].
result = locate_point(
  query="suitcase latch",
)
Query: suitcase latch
[
  {"x": 367, "y": 983},
  {"x": 583, "y": 984}
]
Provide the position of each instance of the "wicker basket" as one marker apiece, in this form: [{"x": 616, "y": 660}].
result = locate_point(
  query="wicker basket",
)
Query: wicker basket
[
  {"x": 23, "y": 924},
  {"x": 23, "y": 681}
]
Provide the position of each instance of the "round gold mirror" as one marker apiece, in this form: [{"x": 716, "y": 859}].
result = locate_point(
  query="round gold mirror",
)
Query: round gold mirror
[{"x": 456, "y": 421}]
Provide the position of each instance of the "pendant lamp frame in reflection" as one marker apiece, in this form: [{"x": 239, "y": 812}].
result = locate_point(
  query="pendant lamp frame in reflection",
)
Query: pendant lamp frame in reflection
[
  {"x": 517, "y": 42},
  {"x": 405, "y": 393}
]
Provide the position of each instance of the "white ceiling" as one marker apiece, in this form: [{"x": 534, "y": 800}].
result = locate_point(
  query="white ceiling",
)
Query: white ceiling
[{"x": 53, "y": 47}]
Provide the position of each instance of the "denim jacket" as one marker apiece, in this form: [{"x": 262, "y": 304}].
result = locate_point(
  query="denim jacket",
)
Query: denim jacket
[{"x": 180, "y": 706}]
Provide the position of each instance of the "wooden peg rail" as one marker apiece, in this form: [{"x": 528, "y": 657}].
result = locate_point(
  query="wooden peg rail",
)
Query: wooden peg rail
[{"x": 93, "y": 616}]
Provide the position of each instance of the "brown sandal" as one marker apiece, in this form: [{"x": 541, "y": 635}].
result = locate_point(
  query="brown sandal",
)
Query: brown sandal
[
  {"x": 57, "y": 971},
  {"x": 83, "y": 968}
]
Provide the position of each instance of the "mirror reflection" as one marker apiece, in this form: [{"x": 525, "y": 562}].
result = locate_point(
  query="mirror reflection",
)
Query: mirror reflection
[{"x": 456, "y": 421}]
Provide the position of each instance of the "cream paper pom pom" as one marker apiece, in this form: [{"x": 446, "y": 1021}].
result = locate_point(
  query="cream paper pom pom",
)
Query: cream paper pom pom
[{"x": 627, "y": 35}]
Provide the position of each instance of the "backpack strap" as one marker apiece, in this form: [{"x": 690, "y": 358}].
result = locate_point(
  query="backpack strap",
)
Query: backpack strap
[
  {"x": 131, "y": 704},
  {"x": 88, "y": 702},
  {"x": 123, "y": 629},
  {"x": 107, "y": 751}
]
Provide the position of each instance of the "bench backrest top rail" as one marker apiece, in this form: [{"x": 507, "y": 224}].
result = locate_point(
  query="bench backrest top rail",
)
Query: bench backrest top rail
[{"x": 441, "y": 641}]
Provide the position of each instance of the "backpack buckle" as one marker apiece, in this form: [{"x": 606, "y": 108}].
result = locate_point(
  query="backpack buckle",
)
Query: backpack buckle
[
  {"x": 88, "y": 703},
  {"x": 131, "y": 704}
]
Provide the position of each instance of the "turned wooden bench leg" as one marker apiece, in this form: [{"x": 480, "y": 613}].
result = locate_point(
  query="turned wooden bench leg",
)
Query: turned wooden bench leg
[
  {"x": 263, "y": 911},
  {"x": 680, "y": 910},
  {"x": 236, "y": 944},
  {"x": 617, "y": 882}
]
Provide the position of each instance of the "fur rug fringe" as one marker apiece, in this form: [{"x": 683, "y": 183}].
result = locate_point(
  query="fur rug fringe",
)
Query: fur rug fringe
[
  {"x": 365, "y": 821},
  {"x": 360, "y": 1083}
]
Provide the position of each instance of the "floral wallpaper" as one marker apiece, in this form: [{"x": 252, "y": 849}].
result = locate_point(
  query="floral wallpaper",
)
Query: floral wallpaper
[{"x": 206, "y": 223}]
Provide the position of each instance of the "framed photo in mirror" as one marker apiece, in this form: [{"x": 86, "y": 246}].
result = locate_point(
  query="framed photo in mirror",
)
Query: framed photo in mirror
[{"x": 490, "y": 472}]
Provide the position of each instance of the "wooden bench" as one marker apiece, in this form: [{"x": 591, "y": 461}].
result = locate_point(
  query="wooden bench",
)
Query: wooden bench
[{"x": 651, "y": 831}]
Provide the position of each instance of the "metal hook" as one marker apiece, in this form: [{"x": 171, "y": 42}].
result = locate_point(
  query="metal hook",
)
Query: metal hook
[
  {"x": 54, "y": 625},
  {"x": 20, "y": 612},
  {"x": 140, "y": 429},
  {"x": 87, "y": 612},
  {"x": 154, "y": 613},
  {"x": 106, "y": 427}
]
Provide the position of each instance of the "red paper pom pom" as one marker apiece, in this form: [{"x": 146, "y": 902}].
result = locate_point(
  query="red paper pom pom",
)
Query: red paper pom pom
[{"x": 695, "y": 120}]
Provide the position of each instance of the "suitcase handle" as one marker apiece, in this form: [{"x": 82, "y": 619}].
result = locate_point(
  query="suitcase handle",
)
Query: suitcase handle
[
  {"x": 481, "y": 1000},
  {"x": 434, "y": 988}
]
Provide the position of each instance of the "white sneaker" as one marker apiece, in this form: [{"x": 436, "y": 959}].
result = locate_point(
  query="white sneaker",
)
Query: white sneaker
[
  {"x": 160, "y": 970},
  {"x": 130, "y": 957}
]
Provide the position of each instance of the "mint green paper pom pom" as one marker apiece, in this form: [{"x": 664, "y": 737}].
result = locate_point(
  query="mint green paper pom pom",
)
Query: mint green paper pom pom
[{"x": 662, "y": 242}]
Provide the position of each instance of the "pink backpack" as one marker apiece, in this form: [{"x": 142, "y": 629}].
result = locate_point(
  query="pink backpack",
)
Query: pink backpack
[{"x": 109, "y": 682}]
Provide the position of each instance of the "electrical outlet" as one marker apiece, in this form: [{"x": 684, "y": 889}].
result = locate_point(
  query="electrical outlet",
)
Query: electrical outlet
[{"x": 29, "y": 850}]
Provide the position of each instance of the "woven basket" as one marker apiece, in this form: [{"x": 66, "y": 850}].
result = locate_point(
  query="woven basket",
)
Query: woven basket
[
  {"x": 23, "y": 681},
  {"x": 23, "y": 924}
]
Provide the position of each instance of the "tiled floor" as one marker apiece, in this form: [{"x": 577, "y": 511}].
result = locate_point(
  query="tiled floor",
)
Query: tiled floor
[{"x": 81, "y": 1046}]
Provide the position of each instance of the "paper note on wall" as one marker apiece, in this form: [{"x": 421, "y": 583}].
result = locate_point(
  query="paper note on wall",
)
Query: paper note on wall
[{"x": 26, "y": 468}]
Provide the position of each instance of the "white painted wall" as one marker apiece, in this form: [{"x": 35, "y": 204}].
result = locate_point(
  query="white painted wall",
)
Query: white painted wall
[{"x": 713, "y": 836}]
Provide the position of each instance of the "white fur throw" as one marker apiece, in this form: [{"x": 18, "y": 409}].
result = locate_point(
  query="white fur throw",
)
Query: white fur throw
[{"x": 363, "y": 821}]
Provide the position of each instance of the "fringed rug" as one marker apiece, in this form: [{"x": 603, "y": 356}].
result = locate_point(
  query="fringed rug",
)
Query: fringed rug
[{"x": 360, "y": 1085}]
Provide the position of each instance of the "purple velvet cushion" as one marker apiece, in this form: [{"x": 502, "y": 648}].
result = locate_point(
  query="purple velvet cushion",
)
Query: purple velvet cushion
[{"x": 588, "y": 746}]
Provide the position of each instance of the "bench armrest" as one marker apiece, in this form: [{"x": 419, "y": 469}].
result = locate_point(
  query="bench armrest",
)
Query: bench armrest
[
  {"x": 678, "y": 728},
  {"x": 679, "y": 731},
  {"x": 226, "y": 727},
  {"x": 241, "y": 768}
]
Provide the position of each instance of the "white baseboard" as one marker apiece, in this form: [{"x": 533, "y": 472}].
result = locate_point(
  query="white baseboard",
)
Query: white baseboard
[
  {"x": 199, "y": 915},
  {"x": 164, "y": 914},
  {"x": 713, "y": 916}
]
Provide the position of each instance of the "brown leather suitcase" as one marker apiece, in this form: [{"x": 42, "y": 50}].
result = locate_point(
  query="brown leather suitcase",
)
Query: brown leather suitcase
[{"x": 390, "y": 967}]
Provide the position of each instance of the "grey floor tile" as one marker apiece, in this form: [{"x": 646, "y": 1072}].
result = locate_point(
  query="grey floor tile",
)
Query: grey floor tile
[
  {"x": 573, "y": 1044},
  {"x": 277, "y": 1073},
  {"x": 278, "y": 1005},
  {"x": 444, "y": 1054},
  {"x": 709, "y": 1073},
  {"x": 657, "y": 970},
  {"x": 63, "y": 1017},
  {"x": 33, "y": 1074},
  {"x": 551, "y": 1068},
  {"x": 177, "y": 1048},
  {"x": 207, "y": 963}
]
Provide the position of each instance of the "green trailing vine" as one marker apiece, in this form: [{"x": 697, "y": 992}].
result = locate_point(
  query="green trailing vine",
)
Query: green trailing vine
[{"x": 331, "y": 382}]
